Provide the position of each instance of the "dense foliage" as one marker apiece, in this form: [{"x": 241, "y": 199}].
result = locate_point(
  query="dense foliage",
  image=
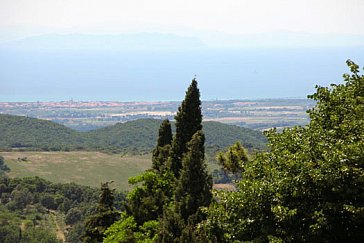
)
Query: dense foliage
[
  {"x": 232, "y": 161},
  {"x": 193, "y": 189},
  {"x": 103, "y": 218},
  {"x": 162, "y": 149},
  {"x": 11, "y": 230},
  {"x": 165, "y": 204},
  {"x": 28, "y": 207},
  {"x": 309, "y": 187},
  {"x": 146, "y": 202},
  {"x": 3, "y": 167},
  {"x": 24, "y": 133},
  {"x": 153, "y": 188},
  {"x": 30, "y": 133},
  {"x": 192, "y": 192}
]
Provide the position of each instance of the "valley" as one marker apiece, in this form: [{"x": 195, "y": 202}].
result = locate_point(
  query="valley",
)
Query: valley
[{"x": 88, "y": 115}]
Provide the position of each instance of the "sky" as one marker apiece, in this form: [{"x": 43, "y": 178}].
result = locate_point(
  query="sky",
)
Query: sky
[
  {"x": 251, "y": 49},
  {"x": 19, "y": 18}
]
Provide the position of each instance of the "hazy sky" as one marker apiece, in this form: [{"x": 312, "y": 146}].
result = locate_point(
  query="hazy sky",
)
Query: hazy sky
[
  {"x": 27, "y": 17},
  {"x": 309, "y": 41}
]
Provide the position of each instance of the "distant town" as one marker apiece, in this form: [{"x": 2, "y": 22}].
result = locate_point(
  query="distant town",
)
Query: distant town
[{"x": 87, "y": 115}]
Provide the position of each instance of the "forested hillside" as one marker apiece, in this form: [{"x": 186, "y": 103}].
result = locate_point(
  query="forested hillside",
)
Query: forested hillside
[
  {"x": 34, "y": 210},
  {"x": 29, "y": 133},
  {"x": 24, "y": 133}
]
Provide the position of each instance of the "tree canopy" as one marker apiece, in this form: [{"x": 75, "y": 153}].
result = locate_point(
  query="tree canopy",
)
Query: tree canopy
[
  {"x": 233, "y": 159},
  {"x": 309, "y": 187}
]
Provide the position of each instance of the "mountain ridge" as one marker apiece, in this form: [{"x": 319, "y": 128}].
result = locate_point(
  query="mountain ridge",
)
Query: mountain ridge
[
  {"x": 25, "y": 133},
  {"x": 117, "y": 42}
]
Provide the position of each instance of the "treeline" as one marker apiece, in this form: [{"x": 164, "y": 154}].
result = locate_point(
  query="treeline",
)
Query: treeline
[
  {"x": 29, "y": 207},
  {"x": 308, "y": 187},
  {"x": 24, "y": 133}
]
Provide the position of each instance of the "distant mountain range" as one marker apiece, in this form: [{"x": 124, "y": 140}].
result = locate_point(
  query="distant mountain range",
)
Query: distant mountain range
[
  {"x": 24, "y": 133},
  {"x": 120, "y": 42},
  {"x": 282, "y": 39},
  {"x": 169, "y": 41}
]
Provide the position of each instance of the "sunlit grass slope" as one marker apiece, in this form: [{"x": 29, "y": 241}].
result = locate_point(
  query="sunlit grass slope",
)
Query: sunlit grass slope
[{"x": 85, "y": 168}]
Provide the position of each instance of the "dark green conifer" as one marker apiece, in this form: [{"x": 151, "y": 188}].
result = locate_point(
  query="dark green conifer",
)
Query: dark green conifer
[
  {"x": 194, "y": 186},
  {"x": 161, "y": 151},
  {"x": 105, "y": 216},
  {"x": 171, "y": 226},
  {"x": 193, "y": 191},
  {"x": 164, "y": 134},
  {"x": 188, "y": 122},
  {"x": 150, "y": 193}
]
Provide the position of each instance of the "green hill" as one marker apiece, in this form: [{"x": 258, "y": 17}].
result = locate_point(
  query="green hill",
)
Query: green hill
[
  {"x": 24, "y": 133},
  {"x": 21, "y": 132},
  {"x": 220, "y": 135},
  {"x": 138, "y": 135}
]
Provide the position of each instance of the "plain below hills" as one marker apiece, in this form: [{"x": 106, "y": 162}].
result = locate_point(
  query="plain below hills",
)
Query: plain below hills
[
  {"x": 81, "y": 167},
  {"x": 135, "y": 137}
]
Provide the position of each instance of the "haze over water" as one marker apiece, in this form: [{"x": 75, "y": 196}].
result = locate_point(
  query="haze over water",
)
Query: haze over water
[
  {"x": 150, "y": 50},
  {"x": 163, "y": 75}
]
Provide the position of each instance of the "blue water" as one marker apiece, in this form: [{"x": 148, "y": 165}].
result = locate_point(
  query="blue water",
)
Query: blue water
[{"x": 136, "y": 76}]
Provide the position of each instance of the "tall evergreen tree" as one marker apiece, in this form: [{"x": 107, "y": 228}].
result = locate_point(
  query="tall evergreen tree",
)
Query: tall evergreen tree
[
  {"x": 161, "y": 151},
  {"x": 171, "y": 226},
  {"x": 105, "y": 216},
  {"x": 194, "y": 186},
  {"x": 164, "y": 134},
  {"x": 193, "y": 191},
  {"x": 161, "y": 198},
  {"x": 188, "y": 122}
]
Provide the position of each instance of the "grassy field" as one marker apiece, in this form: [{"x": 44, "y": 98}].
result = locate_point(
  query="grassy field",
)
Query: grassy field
[{"x": 85, "y": 168}]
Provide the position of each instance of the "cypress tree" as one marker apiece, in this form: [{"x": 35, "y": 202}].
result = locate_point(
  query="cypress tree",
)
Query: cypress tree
[
  {"x": 164, "y": 134},
  {"x": 193, "y": 191},
  {"x": 194, "y": 186},
  {"x": 171, "y": 226},
  {"x": 188, "y": 122},
  {"x": 105, "y": 216},
  {"x": 161, "y": 151}
]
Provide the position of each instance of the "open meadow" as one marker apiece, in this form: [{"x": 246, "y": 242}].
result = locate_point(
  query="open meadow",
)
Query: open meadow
[{"x": 85, "y": 168}]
